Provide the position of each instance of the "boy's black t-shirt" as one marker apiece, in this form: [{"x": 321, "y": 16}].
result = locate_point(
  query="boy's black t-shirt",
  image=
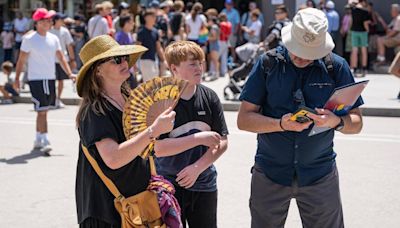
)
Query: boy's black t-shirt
[
  {"x": 93, "y": 199},
  {"x": 148, "y": 39},
  {"x": 359, "y": 17},
  {"x": 203, "y": 112}
]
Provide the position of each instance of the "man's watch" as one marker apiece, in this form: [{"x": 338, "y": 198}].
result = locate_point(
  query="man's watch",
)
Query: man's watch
[{"x": 340, "y": 126}]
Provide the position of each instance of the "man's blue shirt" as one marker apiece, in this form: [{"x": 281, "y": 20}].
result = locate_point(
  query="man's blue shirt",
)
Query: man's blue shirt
[
  {"x": 285, "y": 155},
  {"x": 233, "y": 17},
  {"x": 333, "y": 21}
]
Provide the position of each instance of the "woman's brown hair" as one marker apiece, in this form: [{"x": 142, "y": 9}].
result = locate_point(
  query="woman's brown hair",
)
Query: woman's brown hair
[
  {"x": 196, "y": 9},
  {"x": 92, "y": 98}
]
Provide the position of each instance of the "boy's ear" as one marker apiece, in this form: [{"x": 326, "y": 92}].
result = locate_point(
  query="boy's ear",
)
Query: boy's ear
[{"x": 172, "y": 68}]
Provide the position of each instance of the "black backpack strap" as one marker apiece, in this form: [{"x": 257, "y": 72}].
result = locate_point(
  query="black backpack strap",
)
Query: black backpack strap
[
  {"x": 328, "y": 61},
  {"x": 270, "y": 58}
]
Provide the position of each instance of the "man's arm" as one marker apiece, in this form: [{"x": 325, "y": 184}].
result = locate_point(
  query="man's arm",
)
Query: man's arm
[
  {"x": 352, "y": 122},
  {"x": 173, "y": 146},
  {"x": 212, "y": 154},
  {"x": 23, "y": 56},
  {"x": 250, "y": 119}
]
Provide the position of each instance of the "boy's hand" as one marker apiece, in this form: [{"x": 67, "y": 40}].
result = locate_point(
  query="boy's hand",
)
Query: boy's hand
[
  {"x": 290, "y": 125},
  {"x": 324, "y": 118},
  {"x": 210, "y": 139},
  {"x": 188, "y": 176}
]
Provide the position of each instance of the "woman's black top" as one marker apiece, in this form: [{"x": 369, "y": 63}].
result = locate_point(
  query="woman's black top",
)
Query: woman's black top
[{"x": 93, "y": 199}]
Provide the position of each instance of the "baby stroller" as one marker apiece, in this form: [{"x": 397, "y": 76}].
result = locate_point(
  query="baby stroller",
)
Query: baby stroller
[{"x": 238, "y": 75}]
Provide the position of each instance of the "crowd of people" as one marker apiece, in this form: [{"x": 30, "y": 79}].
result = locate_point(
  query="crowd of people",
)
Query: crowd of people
[
  {"x": 106, "y": 56},
  {"x": 226, "y": 37}
]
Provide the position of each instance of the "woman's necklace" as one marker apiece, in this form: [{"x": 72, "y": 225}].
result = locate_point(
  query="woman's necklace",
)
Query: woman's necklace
[{"x": 112, "y": 100}]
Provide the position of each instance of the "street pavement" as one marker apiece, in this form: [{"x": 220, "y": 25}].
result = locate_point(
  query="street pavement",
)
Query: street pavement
[
  {"x": 38, "y": 191},
  {"x": 380, "y": 96}
]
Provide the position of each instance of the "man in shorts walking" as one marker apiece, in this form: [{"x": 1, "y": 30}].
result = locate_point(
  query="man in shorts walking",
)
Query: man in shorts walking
[
  {"x": 67, "y": 48},
  {"x": 40, "y": 49}
]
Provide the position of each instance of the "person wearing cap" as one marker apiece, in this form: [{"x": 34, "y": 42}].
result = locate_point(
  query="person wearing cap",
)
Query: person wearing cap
[
  {"x": 234, "y": 19},
  {"x": 98, "y": 24},
  {"x": 101, "y": 83},
  {"x": 289, "y": 163},
  {"x": 40, "y": 49},
  {"x": 162, "y": 24},
  {"x": 67, "y": 48},
  {"x": 154, "y": 5},
  {"x": 333, "y": 20},
  {"x": 80, "y": 36}
]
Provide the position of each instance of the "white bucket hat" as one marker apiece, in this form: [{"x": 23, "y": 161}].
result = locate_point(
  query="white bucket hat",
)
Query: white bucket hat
[{"x": 307, "y": 36}]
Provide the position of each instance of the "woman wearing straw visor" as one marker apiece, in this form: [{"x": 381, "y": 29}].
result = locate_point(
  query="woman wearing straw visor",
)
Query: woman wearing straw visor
[{"x": 101, "y": 83}]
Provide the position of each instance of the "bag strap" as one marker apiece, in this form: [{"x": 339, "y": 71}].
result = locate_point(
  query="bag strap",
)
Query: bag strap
[
  {"x": 328, "y": 61},
  {"x": 90, "y": 33},
  {"x": 109, "y": 184}
]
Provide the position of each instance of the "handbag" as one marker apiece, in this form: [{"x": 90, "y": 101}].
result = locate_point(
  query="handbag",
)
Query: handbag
[{"x": 138, "y": 211}]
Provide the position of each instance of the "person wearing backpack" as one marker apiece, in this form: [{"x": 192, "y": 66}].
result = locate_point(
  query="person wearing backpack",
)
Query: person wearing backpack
[{"x": 289, "y": 163}]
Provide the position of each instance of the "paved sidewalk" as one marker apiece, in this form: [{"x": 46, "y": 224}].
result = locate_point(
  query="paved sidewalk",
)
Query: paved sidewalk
[{"x": 380, "y": 96}]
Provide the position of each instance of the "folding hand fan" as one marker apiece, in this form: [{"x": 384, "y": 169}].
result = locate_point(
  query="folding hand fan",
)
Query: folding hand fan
[{"x": 147, "y": 101}]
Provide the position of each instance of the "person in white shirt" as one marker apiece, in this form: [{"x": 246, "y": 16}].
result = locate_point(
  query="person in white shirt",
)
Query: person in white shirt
[
  {"x": 254, "y": 29},
  {"x": 40, "y": 50},
  {"x": 98, "y": 25},
  {"x": 246, "y": 20},
  {"x": 21, "y": 26},
  {"x": 194, "y": 22},
  {"x": 67, "y": 49},
  {"x": 245, "y": 51}
]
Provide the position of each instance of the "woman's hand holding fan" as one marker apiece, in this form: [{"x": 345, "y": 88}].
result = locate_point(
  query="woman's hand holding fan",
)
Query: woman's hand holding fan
[
  {"x": 164, "y": 122},
  {"x": 150, "y": 105}
]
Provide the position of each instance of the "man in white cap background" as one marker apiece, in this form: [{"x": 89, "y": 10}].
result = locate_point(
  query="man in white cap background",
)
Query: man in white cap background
[
  {"x": 40, "y": 49},
  {"x": 288, "y": 162},
  {"x": 333, "y": 21}
]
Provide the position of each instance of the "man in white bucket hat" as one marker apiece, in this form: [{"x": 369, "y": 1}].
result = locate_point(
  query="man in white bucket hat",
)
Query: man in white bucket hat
[{"x": 289, "y": 163}]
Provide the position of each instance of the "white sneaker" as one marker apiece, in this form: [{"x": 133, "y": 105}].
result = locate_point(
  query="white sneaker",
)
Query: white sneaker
[
  {"x": 37, "y": 145},
  {"x": 46, "y": 150},
  {"x": 46, "y": 147},
  {"x": 59, "y": 104}
]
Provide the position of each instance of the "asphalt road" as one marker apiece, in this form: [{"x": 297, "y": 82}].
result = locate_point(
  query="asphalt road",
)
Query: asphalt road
[{"x": 38, "y": 191}]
